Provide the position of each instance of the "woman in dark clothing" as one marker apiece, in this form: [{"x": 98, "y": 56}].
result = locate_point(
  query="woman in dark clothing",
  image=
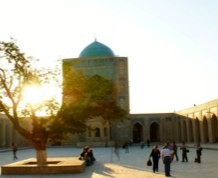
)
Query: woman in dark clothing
[
  {"x": 155, "y": 155},
  {"x": 84, "y": 153},
  {"x": 184, "y": 152},
  {"x": 198, "y": 153},
  {"x": 84, "y": 156},
  {"x": 91, "y": 156}
]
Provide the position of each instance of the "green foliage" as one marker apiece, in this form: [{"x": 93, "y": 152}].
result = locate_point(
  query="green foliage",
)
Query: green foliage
[
  {"x": 16, "y": 72},
  {"x": 102, "y": 96},
  {"x": 88, "y": 97}
]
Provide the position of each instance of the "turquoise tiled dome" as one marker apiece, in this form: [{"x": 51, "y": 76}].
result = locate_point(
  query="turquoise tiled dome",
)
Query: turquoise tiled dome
[{"x": 96, "y": 49}]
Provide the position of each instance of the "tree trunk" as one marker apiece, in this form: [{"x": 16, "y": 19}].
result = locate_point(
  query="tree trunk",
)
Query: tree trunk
[{"x": 41, "y": 157}]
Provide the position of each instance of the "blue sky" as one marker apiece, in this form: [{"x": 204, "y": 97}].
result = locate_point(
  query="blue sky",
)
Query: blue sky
[{"x": 171, "y": 44}]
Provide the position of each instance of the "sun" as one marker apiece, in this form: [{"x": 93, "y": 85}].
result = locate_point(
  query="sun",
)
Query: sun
[{"x": 34, "y": 94}]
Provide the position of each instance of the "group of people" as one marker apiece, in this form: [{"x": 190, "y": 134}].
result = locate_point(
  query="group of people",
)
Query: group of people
[
  {"x": 87, "y": 155},
  {"x": 168, "y": 153}
]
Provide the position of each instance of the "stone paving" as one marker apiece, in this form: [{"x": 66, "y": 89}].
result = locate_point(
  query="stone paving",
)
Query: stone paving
[{"x": 130, "y": 165}]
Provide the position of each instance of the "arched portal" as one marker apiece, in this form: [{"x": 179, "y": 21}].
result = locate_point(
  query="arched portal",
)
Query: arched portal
[
  {"x": 214, "y": 128},
  {"x": 190, "y": 130},
  {"x": 137, "y": 133},
  {"x": 155, "y": 132},
  {"x": 184, "y": 130},
  {"x": 205, "y": 130},
  {"x": 197, "y": 130},
  {"x": 97, "y": 132},
  {"x": 180, "y": 131}
]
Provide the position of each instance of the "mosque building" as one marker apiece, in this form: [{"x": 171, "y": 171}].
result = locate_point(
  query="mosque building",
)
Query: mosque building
[{"x": 196, "y": 124}]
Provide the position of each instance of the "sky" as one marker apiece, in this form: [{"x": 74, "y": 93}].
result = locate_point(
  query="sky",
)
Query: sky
[{"x": 171, "y": 45}]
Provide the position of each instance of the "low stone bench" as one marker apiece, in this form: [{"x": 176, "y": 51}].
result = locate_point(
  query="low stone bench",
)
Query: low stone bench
[{"x": 56, "y": 165}]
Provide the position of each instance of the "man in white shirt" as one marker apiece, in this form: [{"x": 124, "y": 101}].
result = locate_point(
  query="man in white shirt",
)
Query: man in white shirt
[{"x": 166, "y": 157}]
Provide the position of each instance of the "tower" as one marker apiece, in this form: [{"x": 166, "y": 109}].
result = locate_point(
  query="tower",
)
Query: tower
[{"x": 99, "y": 59}]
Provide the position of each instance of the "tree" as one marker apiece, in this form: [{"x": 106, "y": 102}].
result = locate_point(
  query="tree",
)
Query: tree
[
  {"x": 92, "y": 96},
  {"x": 16, "y": 74},
  {"x": 102, "y": 92}
]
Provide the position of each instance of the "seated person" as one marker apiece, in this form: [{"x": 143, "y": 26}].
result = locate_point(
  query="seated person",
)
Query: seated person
[
  {"x": 85, "y": 155},
  {"x": 91, "y": 156}
]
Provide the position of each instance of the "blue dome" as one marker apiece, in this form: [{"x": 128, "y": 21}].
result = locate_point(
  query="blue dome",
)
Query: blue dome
[{"x": 96, "y": 49}]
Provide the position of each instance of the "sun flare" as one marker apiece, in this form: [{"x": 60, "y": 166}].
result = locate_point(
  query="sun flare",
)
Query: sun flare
[{"x": 36, "y": 94}]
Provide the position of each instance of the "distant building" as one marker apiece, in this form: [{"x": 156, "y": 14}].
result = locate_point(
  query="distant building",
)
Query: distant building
[
  {"x": 200, "y": 123},
  {"x": 191, "y": 125},
  {"x": 8, "y": 134}
]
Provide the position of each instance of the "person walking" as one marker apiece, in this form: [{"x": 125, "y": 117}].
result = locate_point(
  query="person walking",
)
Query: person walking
[
  {"x": 175, "y": 148},
  {"x": 14, "y": 149},
  {"x": 148, "y": 143},
  {"x": 184, "y": 152},
  {"x": 142, "y": 144},
  {"x": 116, "y": 150},
  {"x": 166, "y": 157},
  {"x": 198, "y": 153},
  {"x": 155, "y": 155},
  {"x": 126, "y": 147}
]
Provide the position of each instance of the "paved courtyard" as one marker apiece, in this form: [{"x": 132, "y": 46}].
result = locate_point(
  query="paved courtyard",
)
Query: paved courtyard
[{"x": 130, "y": 165}]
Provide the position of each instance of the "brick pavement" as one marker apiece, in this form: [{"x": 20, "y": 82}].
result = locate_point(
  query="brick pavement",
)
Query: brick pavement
[{"x": 130, "y": 165}]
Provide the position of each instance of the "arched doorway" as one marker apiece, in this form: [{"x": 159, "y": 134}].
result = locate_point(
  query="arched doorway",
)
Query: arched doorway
[
  {"x": 205, "y": 130},
  {"x": 214, "y": 128},
  {"x": 180, "y": 130},
  {"x": 197, "y": 130},
  {"x": 137, "y": 133},
  {"x": 184, "y": 130},
  {"x": 190, "y": 130},
  {"x": 154, "y": 132}
]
